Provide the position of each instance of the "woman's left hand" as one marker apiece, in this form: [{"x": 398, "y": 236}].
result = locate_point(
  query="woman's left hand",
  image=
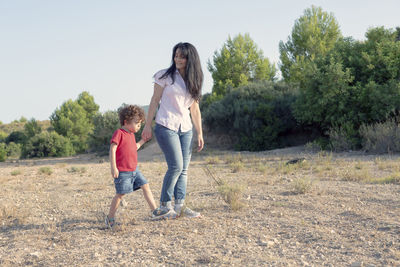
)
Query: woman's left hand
[{"x": 200, "y": 143}]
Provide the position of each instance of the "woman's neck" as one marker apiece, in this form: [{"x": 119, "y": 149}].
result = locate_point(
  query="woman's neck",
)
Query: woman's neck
[{"x": 182, "y": 73}]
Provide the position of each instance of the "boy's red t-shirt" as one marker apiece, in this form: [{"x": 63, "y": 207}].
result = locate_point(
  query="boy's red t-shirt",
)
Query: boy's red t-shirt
[{"x": 126, "y": 154}]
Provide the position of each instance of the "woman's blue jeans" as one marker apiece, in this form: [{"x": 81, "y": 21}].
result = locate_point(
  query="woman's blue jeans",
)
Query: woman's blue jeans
[{"x": 177, "y": 149}]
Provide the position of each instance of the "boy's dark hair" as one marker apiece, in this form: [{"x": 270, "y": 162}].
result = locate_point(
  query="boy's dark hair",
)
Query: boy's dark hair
[{"x": 130, "y": 112}]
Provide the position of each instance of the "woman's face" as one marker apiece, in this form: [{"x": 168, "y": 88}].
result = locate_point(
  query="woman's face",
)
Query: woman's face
[{"x": 180, "y": 60}]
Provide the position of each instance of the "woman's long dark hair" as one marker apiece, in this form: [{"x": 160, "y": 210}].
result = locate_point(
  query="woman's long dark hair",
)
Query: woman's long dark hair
[{"x": 193, "y": 74}]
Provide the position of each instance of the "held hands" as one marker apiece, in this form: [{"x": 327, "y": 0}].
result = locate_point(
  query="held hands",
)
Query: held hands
[
  {"x": 114, "y": 173},
  {"x": 146, "y": 133}
]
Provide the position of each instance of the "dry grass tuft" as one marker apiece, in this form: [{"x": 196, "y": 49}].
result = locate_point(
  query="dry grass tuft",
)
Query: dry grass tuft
[
  {"x": 262, "y": 168},
  {"x": 212, "y": 160},
  {"x": 302, "y": 185},
  {"x": 391, "y": 179},
  {"x": 358, "y": 175},
  {"x": 236, "y": 166},
  {"x": 232, "y": 195},
  {"x": 12, "y": 215},
  {"x": 234, "y": 158},
  {"x": 74, "y": 169},
  {"x": 16, "y": 172},
  {"x": 46, "y": 170}
]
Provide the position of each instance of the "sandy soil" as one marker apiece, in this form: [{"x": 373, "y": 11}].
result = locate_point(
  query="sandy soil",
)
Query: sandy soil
[{"x": 343, "y": 216}]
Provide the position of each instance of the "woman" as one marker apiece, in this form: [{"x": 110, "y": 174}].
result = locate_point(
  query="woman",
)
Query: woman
[{"x": 179, "y": 90}]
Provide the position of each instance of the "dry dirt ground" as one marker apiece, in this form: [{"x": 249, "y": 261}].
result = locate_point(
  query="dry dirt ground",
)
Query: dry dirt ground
[{"x": 325, "y": 210}]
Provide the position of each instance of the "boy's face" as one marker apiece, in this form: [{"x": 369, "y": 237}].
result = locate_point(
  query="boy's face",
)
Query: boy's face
[{"x": 133, "y": 125}]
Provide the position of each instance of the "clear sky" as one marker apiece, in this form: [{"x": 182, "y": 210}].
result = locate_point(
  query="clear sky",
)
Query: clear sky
[{"x": 51, "y": 50}]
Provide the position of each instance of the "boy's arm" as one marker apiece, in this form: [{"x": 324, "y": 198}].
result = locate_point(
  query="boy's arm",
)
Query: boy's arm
[
  {"x": 140, "y": 143},
  {"x": 113, "y": 162}
]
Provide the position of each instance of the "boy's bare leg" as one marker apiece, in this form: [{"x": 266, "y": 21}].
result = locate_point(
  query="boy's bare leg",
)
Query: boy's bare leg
[
  {"x": 149, "y": 196},
  {"x": 114, "y": 205}
]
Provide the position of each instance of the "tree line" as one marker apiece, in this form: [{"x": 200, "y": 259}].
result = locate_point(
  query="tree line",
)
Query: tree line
[{"x": 335, "y": 92}]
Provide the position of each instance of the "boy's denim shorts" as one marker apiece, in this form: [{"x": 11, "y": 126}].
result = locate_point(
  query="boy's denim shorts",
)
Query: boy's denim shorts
[{"x": 129, "y": 181}]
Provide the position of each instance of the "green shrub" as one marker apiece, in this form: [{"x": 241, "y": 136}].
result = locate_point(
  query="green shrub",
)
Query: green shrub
[
  {"x": 13, "y": 150},
  {"x": 355, "y": 83},
  {"x": 257, "y": 114},
  {"x": 47, "y": 144},
  {"x": 31, "y": 128},
  {"x": 3, "y": 152},
  {"x": 381, "y": 137},
  {"x": 16, "y": 172},
  {"x": 74, "y": 119},
  {"x": 3, "y": 136},
  {"x": 104, "y": 126},
  {"x": 18, "y": 137}
]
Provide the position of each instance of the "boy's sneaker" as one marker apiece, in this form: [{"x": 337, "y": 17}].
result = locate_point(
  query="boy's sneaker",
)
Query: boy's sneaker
[
  {"x": 190, "y": 213},
  {"x": 163, "y": 213},
  {"x": 110, "y": 223}
]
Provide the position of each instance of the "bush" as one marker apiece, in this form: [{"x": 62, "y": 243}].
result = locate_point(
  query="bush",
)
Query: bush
[
  {"x": 3, "y": 136},
  {"x": 381, "y": 137},
  {"x": 13, "y": 150},
  {"x": 355, "y": 83},
  {"x": 47, "y": 144},
  {"x": 343, "y": 138},
  {"x": 32, "y": 128},
  {"x": 18, "y": 137},
  {"x": 3, "y": 152},
  {"x": 104, "y": 126},
  {"x": 258, "y": 115},
  {"x": 74, "y": 119}
]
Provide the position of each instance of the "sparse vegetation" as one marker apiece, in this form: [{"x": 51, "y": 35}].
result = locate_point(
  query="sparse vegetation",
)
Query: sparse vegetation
[
  {"x": 236, "y": 166},
  {"x": 302, "y": 185},
  {"x": 75, "y": 169},
  {"x": 261, "y": 167},
  {"x": 233, "y": 158},
  {"x": 16, "y": 172},
  {"x": 45, "y": 170},
  {"x": 212, "y": 160},
  {"x": 232, "y": 194},
  {"x": 391, "y": 179}
]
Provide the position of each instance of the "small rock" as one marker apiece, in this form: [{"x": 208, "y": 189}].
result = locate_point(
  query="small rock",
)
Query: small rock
[
  {"x": 270, "y": 243},
  {"x": 356, "y": 264},
  {"x": 36, "y": 254}
]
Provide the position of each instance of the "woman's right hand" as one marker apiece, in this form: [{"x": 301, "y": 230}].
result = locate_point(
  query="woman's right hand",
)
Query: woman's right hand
[{"x": 146, "y": 133}]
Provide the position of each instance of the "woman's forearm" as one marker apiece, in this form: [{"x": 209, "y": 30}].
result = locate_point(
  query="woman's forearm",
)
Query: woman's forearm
[
  {"x": 196, "y": 118},
  {"x": 152, "y": 111}
]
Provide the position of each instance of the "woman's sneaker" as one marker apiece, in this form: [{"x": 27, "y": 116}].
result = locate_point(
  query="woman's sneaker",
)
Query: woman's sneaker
[
  {"x": 163, "y": 213},
  {"x": 186, "y": 212},
  {"x": 110, "y": 222}
]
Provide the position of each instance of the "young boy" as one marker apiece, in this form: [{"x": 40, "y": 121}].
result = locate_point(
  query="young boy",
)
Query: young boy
[{"x": 123, "y": 159}]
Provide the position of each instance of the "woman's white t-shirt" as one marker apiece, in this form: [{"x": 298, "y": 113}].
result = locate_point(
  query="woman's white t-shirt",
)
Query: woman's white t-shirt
[{"x": 175, "y": 102}]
